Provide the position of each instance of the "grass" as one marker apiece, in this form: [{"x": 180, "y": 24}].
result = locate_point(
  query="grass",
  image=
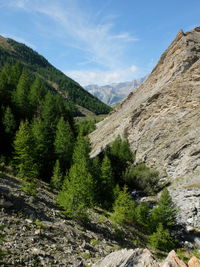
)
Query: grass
[
  {"x": 192, "y": 186},
  {"x": 29, "y": 188}
]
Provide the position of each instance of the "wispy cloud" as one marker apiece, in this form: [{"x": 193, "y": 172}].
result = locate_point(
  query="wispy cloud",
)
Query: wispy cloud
[
  {"x": 97, "y": 39},
  {"x": 85, "y": 77}
]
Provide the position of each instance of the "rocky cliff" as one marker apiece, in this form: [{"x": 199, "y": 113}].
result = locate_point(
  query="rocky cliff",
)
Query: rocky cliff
[{"x": 161, "y": 121}]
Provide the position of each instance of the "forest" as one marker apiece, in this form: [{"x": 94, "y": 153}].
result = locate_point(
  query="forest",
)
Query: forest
[{"x": 40, "y": 140}]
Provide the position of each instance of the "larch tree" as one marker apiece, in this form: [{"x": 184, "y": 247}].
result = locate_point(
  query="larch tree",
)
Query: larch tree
[{"x": 23, "y": 149}]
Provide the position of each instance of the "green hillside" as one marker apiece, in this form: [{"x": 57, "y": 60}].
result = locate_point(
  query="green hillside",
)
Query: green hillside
[{"x": 12, "y": 51}]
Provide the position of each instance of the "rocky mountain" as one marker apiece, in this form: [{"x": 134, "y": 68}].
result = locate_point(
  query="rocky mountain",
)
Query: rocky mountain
[
  {"x": 12, "y": 51},
  {"x": 113, "y": 93},
  {"x": 161, "y": 121}
]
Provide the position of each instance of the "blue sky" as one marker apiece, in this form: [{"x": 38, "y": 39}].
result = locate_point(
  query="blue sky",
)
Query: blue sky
[{"x": 98, "y": 41}]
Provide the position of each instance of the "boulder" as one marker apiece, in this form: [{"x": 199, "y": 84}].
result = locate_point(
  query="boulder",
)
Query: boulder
[{"x": 127, "y": 258}]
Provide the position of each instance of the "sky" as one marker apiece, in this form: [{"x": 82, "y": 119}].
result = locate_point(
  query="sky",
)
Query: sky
[{"x": 98, "y": 41}]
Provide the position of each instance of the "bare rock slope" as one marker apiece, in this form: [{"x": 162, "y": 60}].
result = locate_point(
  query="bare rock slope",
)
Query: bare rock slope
[{"x": 161, "y": 121}]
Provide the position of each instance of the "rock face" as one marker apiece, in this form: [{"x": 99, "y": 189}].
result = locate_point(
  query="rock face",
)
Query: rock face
[
  {"x": 161, "y": 121},
  {"x": 127, "y": 258},
  {"x": 143, "y": 258}
]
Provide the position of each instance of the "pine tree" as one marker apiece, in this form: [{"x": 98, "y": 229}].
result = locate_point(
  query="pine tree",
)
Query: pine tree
[
  {"x": 162, "y": 239},
  {"x": 142, "y": 215},
  {"x": 106, "y": 185},
  {"x": 121, "y": 156},
  {"x": 36, "y": 94},
  {"x": 57, "y": 178},
  {"x": 64, "y": 143},
  {"x": 20, "y": 96},
  {"x": 165, "y": 212},
  {"x": 9, "y": 121},
  {"x": 23, "y": 145},
  {"x": 81, "y": 151},
  {"x": 124, "y": 208},
  {"x": 76, "y": 195}
]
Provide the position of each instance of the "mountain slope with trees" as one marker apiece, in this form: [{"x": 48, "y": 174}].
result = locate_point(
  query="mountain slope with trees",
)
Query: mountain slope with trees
[{"x": 12, "y": 51}]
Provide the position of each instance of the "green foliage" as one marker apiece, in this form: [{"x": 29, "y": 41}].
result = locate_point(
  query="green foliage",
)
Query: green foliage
[
  {"x": 77, "y": 194},
  {"x": 165, "y": 212},
  {"x": 106, "y": 184},
  {"x": 9, "y": 121},
  {"x": 121, "y": 157},
  {"x": 86, "y": 126},
  {"x": 20, "y": 96},
  {"x": 29, "y": 188},
  {"x": 38, "y": 64},
  {"x": 142, "y": 214},
  {"x": 24, "y": 158},
  {"x": 36, "y": 94},
  {"x": 57, "y": 178},
  {"x": 123, "y": 208},
  {"x": 161, "y": 239},
  {"x": 81, "y": 151},
  {"x": 63, "y": 144},
  {"x": 142, "y": 178}
]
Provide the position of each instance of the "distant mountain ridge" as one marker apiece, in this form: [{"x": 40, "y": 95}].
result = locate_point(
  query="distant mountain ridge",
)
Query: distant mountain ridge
[
  {"x": 115, "y": 92},
  {"x": 12, "y": 51}
]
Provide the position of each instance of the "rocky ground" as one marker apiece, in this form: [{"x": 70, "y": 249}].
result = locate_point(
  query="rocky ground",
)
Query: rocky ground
[{"x": 36, "y": 233}]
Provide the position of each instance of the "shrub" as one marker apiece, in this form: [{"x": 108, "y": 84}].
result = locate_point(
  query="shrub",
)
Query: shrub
[
  {"x": 143, "y": 178},
  {"x": 29, "y": 188}
]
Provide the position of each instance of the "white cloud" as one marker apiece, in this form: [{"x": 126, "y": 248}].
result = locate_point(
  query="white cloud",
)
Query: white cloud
[
  {"x": 98, "y": 41},
  {"x": 85, "y": 77},
  {"x": 133, "y": 68}
]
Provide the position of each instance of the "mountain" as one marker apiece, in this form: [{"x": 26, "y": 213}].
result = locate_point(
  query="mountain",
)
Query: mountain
[
  {"x": 113, "y": 93},
  {"x": 12, "y": 51},
  {"x": 161, "y": 122}
]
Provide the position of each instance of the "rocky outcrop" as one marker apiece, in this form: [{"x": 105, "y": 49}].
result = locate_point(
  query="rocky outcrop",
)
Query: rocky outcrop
[
  {"x": 143, "y": 258},
  {"x": 161, "y": 121},
  {"x": 124, "y": 258},
  {"x": 173, "y": 260}
]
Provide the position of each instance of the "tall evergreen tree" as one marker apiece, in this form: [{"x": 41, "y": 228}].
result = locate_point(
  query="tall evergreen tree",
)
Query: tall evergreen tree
[
  {"x": 36, "y": 94},
  {"x": 64, "y": 143},
  {"x": 20, "y": 96},
  {"x": 165, "y": 212},
  {"x": 106, "y": 185},
  {"x": 121, "y": 156},
  {"x": 40, "y": 149},
  {"x": 57, "y": 177},
  {"x": 123, "y": 208},
  {"x": 77, "y": 194},
  {"x": 23, "y": 145},
  {"x": 81, "y": 151},
  {"x": 9, "y": 121}
]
